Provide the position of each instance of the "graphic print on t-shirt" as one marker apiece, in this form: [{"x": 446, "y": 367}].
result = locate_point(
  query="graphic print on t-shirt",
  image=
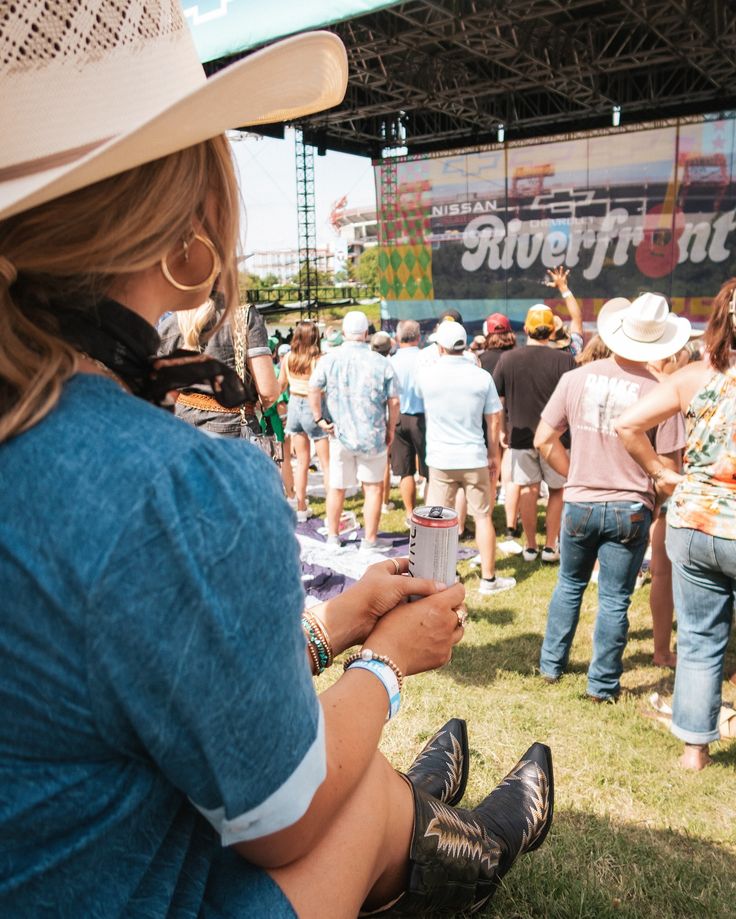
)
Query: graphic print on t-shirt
[{"x": 604, "y": 399}]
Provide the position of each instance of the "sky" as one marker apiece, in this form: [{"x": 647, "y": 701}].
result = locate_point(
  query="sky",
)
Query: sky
[{"x": 268, "y": 184}]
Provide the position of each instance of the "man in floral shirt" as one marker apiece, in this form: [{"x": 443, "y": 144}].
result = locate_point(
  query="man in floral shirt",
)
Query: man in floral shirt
[{"x": 359, "y": 387}]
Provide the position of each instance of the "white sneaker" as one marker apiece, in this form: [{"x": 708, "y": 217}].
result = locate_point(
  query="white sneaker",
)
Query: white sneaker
[
  {"x": 530, "y": 555},
  {"x": 291, "y": 502},
  {"x": 333, "y": 542},
  {"x": 495, "y": 586},
  {"x": 388, "y": 506},
  {"x": 550, "y": 555},
  {"x": 510, "y": 547},
  {"x": 378, "y": 545},
  {"x": 475, "y": 561},
  {"x": 303, "y": 516}
]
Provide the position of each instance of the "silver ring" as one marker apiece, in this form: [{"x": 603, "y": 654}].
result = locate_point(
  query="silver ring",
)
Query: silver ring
[
  {"x": 396, "y": 565},
  {"x": 462, "y": 617}
]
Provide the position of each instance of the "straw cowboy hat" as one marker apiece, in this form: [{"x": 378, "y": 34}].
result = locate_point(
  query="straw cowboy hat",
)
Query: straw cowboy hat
[
  {"x": 642, "y": 330},
  {"x": 91, "y": 88}
]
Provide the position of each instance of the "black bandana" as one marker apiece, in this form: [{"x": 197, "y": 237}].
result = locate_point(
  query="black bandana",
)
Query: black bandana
[{"x": 123, "y": 341}]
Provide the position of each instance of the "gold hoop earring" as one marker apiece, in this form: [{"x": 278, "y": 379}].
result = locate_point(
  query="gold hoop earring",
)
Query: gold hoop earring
[{"x": 209, "y": 280}]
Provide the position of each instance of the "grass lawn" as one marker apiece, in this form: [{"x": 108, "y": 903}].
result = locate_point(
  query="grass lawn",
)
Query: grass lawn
[{"x": 633, "y": 834}]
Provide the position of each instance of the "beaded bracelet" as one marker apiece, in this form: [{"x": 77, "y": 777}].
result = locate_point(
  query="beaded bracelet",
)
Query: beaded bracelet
[
  {"x": 318, "y": 643},
  {"x": 367, "y": 655}
]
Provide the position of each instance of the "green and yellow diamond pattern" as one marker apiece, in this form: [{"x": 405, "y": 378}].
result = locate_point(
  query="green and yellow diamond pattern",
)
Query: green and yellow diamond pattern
[{"x": 405, "y": 272}]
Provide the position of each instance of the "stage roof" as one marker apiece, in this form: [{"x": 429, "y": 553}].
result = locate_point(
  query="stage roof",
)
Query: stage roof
[{"x": 447, "y": 73}]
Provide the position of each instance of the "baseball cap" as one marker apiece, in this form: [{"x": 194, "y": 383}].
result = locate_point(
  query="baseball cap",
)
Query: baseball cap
[
  {"x": 451, "y": 336},
  {"x": 496, "y": 322},
  {"x": 539, "y": 316},
  {"x": 283, "y": 349},
  {"x": 355, "y": 323},
  {"x": 452, "y": 315}
]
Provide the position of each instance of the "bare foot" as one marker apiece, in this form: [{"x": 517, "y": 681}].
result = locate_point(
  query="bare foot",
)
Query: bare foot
[
  {"x": 665, "y": 660},
  {"x": 695, "y": 757}
]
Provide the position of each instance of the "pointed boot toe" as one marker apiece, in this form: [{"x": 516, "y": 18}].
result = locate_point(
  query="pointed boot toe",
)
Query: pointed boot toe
[
  {"x": 520, "y": 809},
  {"x": 441, "y": 769}
]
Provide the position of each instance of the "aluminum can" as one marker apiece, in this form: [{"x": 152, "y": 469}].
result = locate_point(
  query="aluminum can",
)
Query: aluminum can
[{"x": 433, "y": 540}]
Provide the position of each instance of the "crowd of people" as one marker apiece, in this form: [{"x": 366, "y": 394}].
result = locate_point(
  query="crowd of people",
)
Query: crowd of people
[
  {"x": 163, "y": 750},
  {"x": 457, "y": 421}
]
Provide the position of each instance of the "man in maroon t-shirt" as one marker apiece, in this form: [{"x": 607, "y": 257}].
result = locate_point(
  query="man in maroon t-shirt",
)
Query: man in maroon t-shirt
[{"x": 608, "y": 498}]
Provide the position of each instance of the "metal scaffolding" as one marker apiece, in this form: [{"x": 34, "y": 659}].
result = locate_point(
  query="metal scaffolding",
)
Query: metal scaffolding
[
  {"x": 308, "y": 275},
  {"x": 456, "y": 70}
]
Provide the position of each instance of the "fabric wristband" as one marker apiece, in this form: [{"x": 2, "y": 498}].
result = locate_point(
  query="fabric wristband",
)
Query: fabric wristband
[
  {"x": 386, "y": 675},
  {"x": 567, "y": 293}
]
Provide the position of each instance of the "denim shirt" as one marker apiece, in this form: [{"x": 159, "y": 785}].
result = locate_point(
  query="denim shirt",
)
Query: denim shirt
[{"x": 156, "y": 697}]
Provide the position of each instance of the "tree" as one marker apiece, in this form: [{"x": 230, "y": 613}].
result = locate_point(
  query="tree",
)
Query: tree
[{"x": 367, "y": 270}]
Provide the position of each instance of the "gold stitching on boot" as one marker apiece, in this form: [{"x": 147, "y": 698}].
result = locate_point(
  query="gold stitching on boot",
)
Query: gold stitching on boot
[
  {"x": 461, "y": 837},
  {"x": 538, "y": 787},
  {"x": 454, "y": 758}
]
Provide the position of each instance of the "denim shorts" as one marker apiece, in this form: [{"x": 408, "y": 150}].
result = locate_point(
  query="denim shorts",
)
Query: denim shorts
[{"x": 300, "y": 419}]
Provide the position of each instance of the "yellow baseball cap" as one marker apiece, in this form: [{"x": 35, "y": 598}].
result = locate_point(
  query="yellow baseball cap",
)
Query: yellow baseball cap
[{"x": 539, "y": 316}]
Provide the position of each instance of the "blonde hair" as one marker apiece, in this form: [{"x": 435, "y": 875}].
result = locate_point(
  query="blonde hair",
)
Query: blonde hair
[
  {"x": 73, "y": 248},
  {"x": 192, "y": 322}
]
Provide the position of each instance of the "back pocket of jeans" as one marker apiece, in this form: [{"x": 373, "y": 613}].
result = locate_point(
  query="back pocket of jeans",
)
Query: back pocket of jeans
[{"x": 576, "y": 519}]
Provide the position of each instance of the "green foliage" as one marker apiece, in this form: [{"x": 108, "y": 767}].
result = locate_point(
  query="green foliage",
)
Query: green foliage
[{"x": 366, "y": 271}]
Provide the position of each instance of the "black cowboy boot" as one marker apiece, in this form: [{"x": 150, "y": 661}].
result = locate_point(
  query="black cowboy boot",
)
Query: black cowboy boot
[
  {"x": 458, "y": 856},
  {"x": 441, "y": 769}
]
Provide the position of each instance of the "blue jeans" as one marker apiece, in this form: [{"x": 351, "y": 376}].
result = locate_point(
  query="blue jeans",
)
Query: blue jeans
[
  {"x": 704, "y": 586},
  {"x": 616, "y": 533}
]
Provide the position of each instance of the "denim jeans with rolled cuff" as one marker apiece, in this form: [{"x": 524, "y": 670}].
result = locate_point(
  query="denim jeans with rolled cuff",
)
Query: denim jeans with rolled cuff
[
  {"x": 704, "y": 587},
  {"x": 615, "y": 533}
]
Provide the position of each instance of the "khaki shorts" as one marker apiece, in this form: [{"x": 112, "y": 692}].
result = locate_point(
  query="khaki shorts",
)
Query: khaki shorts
[
  {"x": 444, "y": 483},
  {"x": 528, "y": 468},
  {"x": 348, "y": 468}
]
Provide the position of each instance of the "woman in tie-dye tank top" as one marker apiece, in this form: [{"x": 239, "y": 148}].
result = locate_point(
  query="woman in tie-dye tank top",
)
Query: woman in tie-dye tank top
[{"x": 701, "y": 524}]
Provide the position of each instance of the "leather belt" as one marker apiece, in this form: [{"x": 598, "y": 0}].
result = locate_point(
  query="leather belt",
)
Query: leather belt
[{"x": 205, "y": 403}]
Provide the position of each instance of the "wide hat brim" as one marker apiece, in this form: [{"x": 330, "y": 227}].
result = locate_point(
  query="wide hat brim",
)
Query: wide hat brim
[
  {"x": 675, "y": 334},
  {"x": 298, "y": 76}
]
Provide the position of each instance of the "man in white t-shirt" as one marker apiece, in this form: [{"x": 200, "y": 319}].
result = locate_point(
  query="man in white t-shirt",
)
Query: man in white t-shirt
[{"x": 457, "y": 397}]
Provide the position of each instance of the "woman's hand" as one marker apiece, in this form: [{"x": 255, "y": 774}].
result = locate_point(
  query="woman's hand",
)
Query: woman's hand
[
  {"x": 350, "y": 617},
  {"x": 420, "y": 636}
]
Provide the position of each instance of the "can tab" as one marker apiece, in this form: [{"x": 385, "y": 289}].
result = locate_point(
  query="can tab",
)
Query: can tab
[{"x": 436, "y": 513}]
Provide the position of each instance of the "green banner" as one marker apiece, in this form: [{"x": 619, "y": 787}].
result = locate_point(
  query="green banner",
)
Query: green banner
[{"x": 224, "y": 27}]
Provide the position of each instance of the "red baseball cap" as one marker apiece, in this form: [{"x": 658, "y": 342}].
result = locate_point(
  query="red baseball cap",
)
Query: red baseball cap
[{"x": 496, "y": 322}]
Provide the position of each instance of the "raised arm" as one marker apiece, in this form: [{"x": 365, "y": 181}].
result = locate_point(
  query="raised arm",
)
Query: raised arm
[{"x": 558, "y": 278}]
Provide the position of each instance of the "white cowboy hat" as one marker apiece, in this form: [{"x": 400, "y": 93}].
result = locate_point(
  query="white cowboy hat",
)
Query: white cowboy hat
[
  {"x": 91, "y": 88},
  {"x": 642, "y": 330}
]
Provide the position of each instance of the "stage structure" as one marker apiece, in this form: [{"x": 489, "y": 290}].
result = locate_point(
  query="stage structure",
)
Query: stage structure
[{"x": 648, "y": 208}]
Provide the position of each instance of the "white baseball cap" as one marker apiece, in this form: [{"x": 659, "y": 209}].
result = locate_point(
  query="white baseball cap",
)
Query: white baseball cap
[
  {"x": 354, "y": 323},
  {"x": 451, "y": 336}
]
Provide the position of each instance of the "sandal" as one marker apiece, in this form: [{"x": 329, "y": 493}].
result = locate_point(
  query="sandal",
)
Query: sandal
[{"x": 663, "y": 713}]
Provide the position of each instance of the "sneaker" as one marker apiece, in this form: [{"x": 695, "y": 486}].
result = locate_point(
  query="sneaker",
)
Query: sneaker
[
  {"x": 388, "y": 506},
  {"x": 550, "y": 555},
  {"x": 510, "y": 547},
  {"x": 291, "y": 502},
  {"x": 495, "y": 585},
  {"x": 378, "y": 545},
  {"x": 303, "y": 516},
  {"x": 530, "y": 555},
  {"x": 475, "y": 561},
  {"x": 333, "y": 541}
]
